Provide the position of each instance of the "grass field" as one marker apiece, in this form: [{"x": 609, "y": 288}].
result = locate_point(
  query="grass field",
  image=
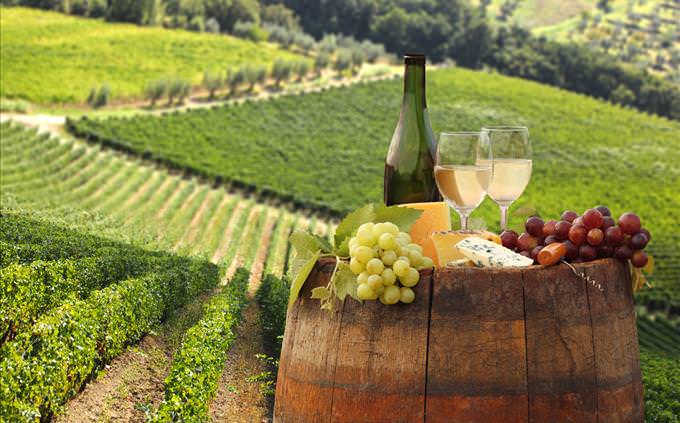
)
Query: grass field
[
  {"x": 540, "y": 13},
  {"x": 50, "y": 57},
  {"x": 586, "y": 151}
]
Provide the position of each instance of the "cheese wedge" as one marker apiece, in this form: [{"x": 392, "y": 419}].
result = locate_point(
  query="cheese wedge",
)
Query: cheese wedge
[
  {"x": 485, "y": 253},
  {"x": 441, "y": 246},
  {"x": 436, "y": 217}
]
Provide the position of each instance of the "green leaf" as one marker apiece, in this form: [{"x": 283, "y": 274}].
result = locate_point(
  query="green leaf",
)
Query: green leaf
[
  {"x": 343, "y": 249},
  {"x": 306, "y": 244},
  {"x": 300, "y": 270},
  {"x": 345, "y": 282},
  {"x": 324, "y": 244},
  {"x": 352, "y": 221},
  {"x": 321, "y": 293},
  {"x": 404, "y": 217},
  {"x": 525, "y": 211}
]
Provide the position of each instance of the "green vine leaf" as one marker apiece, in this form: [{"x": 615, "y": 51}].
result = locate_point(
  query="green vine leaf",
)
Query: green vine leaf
[
  {"x": 345, "y": 282},
  {"x": 351, "y": 222},
  {"x": 404, "y": 217},
  {"x": 301, "y": 268},
  {"x": 320, "y": 293}
]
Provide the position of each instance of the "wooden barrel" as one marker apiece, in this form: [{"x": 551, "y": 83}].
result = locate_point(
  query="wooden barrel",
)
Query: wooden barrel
[{"x": 478, "y": 345}]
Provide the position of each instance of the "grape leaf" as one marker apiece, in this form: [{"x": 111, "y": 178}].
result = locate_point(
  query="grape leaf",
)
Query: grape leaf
[
  {"x": 345, "y": 282},
  {"x": 343, "y": 249},
  {"x": 306, "y": 243},
  {"x": 404, "y": 217},
  {"x": 352, "y": 221},
  {"x": 321, "y": 293},
  {"x": 300, "y": 269},
  {"x": 324, "y": 244}
]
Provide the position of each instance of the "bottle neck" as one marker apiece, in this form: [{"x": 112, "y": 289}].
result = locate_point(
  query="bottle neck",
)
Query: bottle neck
[{"x": 414, "y": 86}]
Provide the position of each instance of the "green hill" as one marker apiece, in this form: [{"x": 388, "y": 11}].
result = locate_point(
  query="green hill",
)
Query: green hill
[{"x": 50, "y": 57}]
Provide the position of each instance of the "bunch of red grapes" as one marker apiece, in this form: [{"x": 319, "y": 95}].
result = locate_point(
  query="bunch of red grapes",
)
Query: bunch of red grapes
[{"x": 595, "y": 234}]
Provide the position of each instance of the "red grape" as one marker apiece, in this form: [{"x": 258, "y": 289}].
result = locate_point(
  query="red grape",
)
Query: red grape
[
  {"x": 605, "y": 250},
  {"x": 595, "y": 236},
  {"x": 629, "y": 223},
  {"x": 534, "y": 253},
  {"x": 562, "y": 229},
  {"x": 572, "y": 250},
  {"x": 549, "y": 227},
  {"x": 646, "y": 232},
  {"x": 613, "y": 236},
  {"x": 638, "y": 241},
  {"x": 607, "y": 222},
  {"x": 639, "y": 258},
  {"x": 525, "y": 253},
  {"x": 623, "y": 252},
  {"x": 592, "y": 218},
  {"x": 534, "y": 226},
  {"x": 587, "y": 252},
  {"x": 604, "y": 210},
  {"x": 578, "y": 221},
  {"x": 569, "y": 216},
  {"x": 577, "y": 234},
  {"x": 526, "y": 242},
  {"x": 550, "y": 239},
  {"x": 509, "y": 239}
]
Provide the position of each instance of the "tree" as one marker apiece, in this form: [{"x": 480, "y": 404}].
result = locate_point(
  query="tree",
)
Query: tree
[
  {"x": 212, "y": 82},
  {"x": 343, "y": 61},
  {"x": 155, "y": 90},
  {"x": 280, "y": 15},
  {"x": 328, "y": 43},
  {"x": 321, "y": 62},
  {"x": 301, "y": 70},
  {"x": 357, "y": 59},
  {"x": 228, "y": 12},
  {"x": 234, "y": 79},
  {"x": 178, "y": 88},
  {"x": 99, "y": 97},
  {"x": 604, "y": 5},
  {"x": 250, "y": 75},
  {"x": 281, "y": 71},
  {"x": 507, "y": 9},
  {"x": 623, "y": 95}
]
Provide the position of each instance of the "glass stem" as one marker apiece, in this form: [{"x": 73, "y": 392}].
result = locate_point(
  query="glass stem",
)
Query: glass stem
[
  {"x": 504, "y": 217},
  {"x": 463, "y": 221}
]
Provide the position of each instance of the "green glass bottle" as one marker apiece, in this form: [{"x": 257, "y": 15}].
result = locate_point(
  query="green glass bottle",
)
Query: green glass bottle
[{"x": 409, "y": 166}]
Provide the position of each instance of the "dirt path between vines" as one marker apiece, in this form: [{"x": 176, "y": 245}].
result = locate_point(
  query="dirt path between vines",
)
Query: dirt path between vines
[
  {"x": 131, "y": 387},
  {"x": 239, "y": 398}
]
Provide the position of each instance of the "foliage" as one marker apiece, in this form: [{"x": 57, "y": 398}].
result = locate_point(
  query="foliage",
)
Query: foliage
[
  {"x": 249, "y": 30},
  {"x": 155, "y": 90},
  {"x": 198, "y": 364},
  {"x": 13, "y": 106},
  {"x": 321, "y": 62},
  {"x": 281, "y": 71},
  {"x": 661, "y": 380},
  {"x": 280, "y": 15},
  {"x": 99, "y": 97},
  {"x": 81, "y": 53},
  {"x": 576, "y": 141},
  {"x": 272, "y": 296},
  {"x": 212, "y": 82}
]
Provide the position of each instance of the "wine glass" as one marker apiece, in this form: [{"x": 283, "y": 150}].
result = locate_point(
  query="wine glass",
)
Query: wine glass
[
  {"x": 461, "y": 178},
  {"x": 511, "y": 165}
]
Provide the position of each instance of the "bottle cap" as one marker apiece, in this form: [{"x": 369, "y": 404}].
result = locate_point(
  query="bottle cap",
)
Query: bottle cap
[{"x": 414, "y": 59}]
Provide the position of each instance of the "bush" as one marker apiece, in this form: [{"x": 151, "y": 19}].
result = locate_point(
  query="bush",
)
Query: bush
[
  {"x": 99, "y": 97},
  {"x": 13, "y": 106},
  {"x": 179, "y": 89},
  {"x": 321, "y": 62},
  {"x": 272, "y": 296},
  {"x": 301, "y": 70},
  {"x": 303, "y": 41},
  {"x": 280, "y": 35},
  {"x": 343, "y": 61},
  {"x": 212, "y": 26},
  {"x": 234, "y": 79},
  {"x": 328, "y": 44},
  {"x": 281, "y": 71},
  {"x": 249, "y": 31},
  {"x": 279, "y": 14},
  {"x": 155, "y": 90},
  {"x": 198, "y": 364}
]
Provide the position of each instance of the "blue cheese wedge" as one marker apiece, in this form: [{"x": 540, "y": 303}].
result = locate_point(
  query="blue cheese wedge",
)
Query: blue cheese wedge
[{"x": 485, "y": 253}]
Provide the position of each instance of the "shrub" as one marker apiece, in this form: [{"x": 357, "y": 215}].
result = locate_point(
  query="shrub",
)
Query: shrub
[
  {"x": 303, "y": 41},
  {"x": 13, "y": 106},
  {"x": 155, "y": 90},
  {"x": 328, "y": 43},
  {"x": 280, "y": 35},
  {"x": 343, "y": 61},
  {"x": 249, "y": 31},
  {"x": 234, "y": 79},
  {"x": 281, "y": 71},
  {"x": 272, "y": 296},
  {"x": 99, "y": 97},
  {"x": 211, "y": 25},
  {"x": 198, "y": 364},
  {"x": 301, "y": 70},
  {"x": 279, "y": 14},
  {"x": 179, "y": 89}
]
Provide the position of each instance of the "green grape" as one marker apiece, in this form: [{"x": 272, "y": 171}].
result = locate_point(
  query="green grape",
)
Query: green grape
[
  {"x": 403, "y": 238},
  {"x": 356, "y": 266},
  {"x": 411, "y": 278},
  {"x": 415, "y": 258},
  {"x": 387, "y": 241},
  {"x": 378, "y": 229},
  {"x": 380, "y": 290},
  {"x": 406, "y": 295},
  {"x": 427, "y": 263},
  {"x": 366, "y": 237},
  {"x": 405, "y": 258},
  {"x": 391, "y": 228},
  {"x": 388, "y": 276},
  {"x": 362, "y": 278},
  {"x": 392, "y": 294},
  {"x": 366, "y": 226},
  {"x": 376, "y": 251},
  {"x": 382, "y": 298},
  {"x": 364, "y": 292},
  {"x": 363, "y": 253},
  {"x": 415, "y": 247},
  {"x": 400, "y": 268},
  {"x": 353, "y": 242},
  {"x": 374, "y": 266},
  {"x": 388, "y": 257},
  {"x": 375, "y": 282}
]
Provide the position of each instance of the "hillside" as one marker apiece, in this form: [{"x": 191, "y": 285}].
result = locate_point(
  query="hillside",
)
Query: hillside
[
  {"x": 49, "y": 57},
  {"x": 587, "y": 152}
]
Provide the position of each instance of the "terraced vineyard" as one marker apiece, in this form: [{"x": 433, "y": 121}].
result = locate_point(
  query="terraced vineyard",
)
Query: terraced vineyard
[
  {"x": 183, "y": 214},
  {"x": 586, "y": 152}
]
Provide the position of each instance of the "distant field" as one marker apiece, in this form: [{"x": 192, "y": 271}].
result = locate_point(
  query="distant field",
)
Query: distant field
[
  {"x": 327, "y": 149},
  {"x": 49, "y": 57},
  {"x": 539, "y": 13}
]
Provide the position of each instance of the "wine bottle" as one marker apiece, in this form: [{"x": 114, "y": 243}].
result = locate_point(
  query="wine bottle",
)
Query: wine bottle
[{"x": 409, "y": 166}]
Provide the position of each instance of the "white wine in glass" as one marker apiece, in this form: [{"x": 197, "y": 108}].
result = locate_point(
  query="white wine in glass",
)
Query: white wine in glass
[
  {"x": 511, "y": 165},
  {"x": 461, "y": 178}
]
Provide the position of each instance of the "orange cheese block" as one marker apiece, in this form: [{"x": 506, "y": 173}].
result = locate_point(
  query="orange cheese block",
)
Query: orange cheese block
[
  {"x": 436, "y": 217},
  {"x": 440, "y": 246}
]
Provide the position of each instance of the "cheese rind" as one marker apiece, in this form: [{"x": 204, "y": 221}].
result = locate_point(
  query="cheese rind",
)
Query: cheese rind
[
  {"x": 485, "y": 253},
  {"x": 440, "y": 246}
]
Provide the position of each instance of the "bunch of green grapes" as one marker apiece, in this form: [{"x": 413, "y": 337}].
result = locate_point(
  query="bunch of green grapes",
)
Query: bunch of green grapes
[{"x": 386, "y": 263}]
